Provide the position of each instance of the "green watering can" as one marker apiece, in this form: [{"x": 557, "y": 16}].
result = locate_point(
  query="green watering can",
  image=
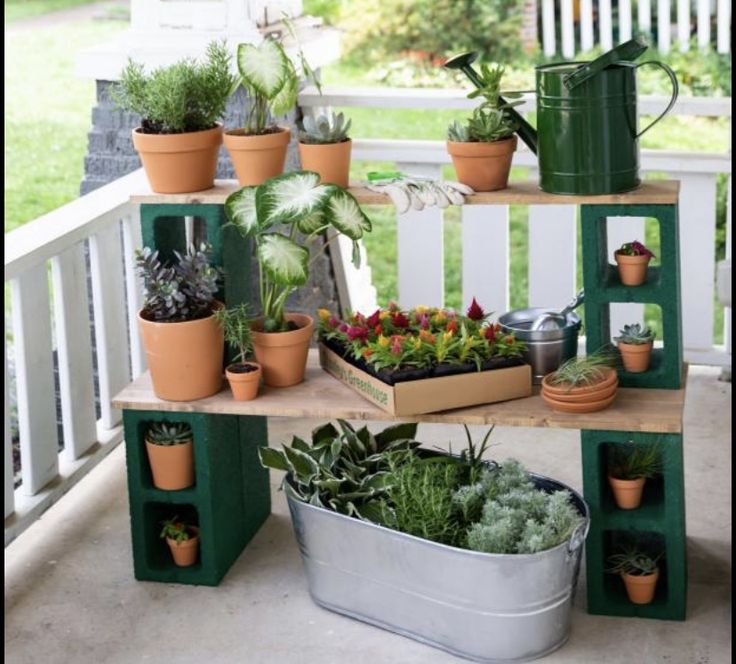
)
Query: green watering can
[{"x": 587, "y": 137}]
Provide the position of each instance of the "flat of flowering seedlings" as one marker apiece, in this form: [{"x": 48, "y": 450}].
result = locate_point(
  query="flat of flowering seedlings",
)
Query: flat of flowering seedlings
[{"x": 424, "y": 359}]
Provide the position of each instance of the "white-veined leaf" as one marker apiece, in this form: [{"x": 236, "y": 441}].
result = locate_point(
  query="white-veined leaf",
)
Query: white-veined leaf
[
  {"x": 240, "y": 209},
  {"x": 285, "y": 99},
  {"x": 263, "y": 67},
  {"x": 311, "y": 223},
  {"x": 343, "y": 212},
  {"x": 285, "y": 199},
  {"x": 285, "y": 262}
]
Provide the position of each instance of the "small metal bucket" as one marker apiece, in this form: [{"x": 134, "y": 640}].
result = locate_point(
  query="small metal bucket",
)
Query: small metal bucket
[
  {"x": 481, "y": 606},
  {"x": 545, "y": 349}
]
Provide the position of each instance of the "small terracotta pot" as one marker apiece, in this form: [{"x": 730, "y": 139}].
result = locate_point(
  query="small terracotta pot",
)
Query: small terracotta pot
[
  {"x": 172, "y": 466},
  {"x": 636, "y": 357},
  {"x": 331, "y": 161},
  {"x": 632, "y": 270},
  {"x": 185, "y": 554},
  {"x": 283, "y": 355},
  {"x": 185, "y": 359},
  {"x": 257, "y": 158},
  {"x": 244, "y": 385},
  {"x": 179, "y": 163},
  {"x": 640, "y": 589},
  {"x": 483, "y": 166},
  {"x": 627, "y": 493},
  {"x": 581, "y": 393}
]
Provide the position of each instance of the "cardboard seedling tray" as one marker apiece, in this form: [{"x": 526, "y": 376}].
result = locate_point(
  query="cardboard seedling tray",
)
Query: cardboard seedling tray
[{"x": 430, "y": 395}]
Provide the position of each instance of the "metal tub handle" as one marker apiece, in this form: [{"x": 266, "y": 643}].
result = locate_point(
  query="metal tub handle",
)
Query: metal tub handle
[{"x": 675, "y": 91}]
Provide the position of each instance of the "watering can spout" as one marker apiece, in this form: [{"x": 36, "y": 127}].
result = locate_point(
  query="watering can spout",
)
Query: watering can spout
[{"x": 463, "y": 62}]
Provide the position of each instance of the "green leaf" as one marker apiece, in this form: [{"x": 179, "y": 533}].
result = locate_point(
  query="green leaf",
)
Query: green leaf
[
  {"x": 324, "y": 432},
  {"x": 298, "y": 444},
  {"x": 240, "y": 209},
  {"x": 404, "y": 431},
  {"x": 275, "y": 459},
  {"x": 263, "y": 68},
  {"x": 315, "y": 500},
  {"x": 344, "y": 214},
  {"x": 289, "y": 490},
  {"x": 366, "y": 437},
  {"x": 332, "y": 486},
  {"x": 376, "y": 512},
  {"x": 312, "y": 223},
  {"x": 285, "y": 98},
  {"x": 356, "y": 254},
  {"x": 284, "y": 261},
  {"x": 305, "y": 466},
  {"x": 286, "y": 198}
]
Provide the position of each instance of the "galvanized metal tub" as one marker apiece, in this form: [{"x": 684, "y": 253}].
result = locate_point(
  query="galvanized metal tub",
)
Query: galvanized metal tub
[
  {"x": 545, "y": 349},
  {"x": 484, "y": 607}
]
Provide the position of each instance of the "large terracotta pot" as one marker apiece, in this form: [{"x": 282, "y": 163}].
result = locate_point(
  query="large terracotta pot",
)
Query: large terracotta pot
[
  {"x": 331, "y": 161},
  {"x": 172, "y": 466},
  {"x": 635, "y": 357},
  {"x": 185, "y": 359},
  {"x": 244, "y": 384},
  {"x": 483, "y": 166},
  {"x": 257, "y": 158},
  {"x": 627, "y": 493},
  {"x": 185, "y": 553},
  {"x": 632, "y": 270},
  {"x": 640, "y": 589},
  {"x": 283, "y": 355},
  {"x": 179, "y": 163}
]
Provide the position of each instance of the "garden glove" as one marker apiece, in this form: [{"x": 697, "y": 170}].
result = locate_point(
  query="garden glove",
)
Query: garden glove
[{"x": 417, "y": 192}]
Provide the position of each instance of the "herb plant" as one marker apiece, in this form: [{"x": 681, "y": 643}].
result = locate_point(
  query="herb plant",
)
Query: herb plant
[
  {"x": 635, "y": 335},
  {"x": 632, "y": 560},
  {"x": 185, "y": 97},
  {"x": 630, "y": 462},
  {"x": 166, "y": 433},
  {"x": 581, "y": 371},
  {"x": 324, "y": 129},
  {"x": 236, "y": 327},
  {"x": 175, "y": 530},
  {"x": 634, "y": 248},
  {"x": 182, "y": 291}
]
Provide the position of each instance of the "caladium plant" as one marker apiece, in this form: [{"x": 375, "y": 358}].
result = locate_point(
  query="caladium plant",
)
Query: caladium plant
[{"x": 284, "y": 216}]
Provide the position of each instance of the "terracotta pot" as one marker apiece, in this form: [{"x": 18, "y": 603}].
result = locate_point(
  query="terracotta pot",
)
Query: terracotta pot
[
  {"x": 635, "y": 356},
  {"x": 632, "y": 270},
  {"x": 627, "y": 493},
  {"x": 283, "y": 355},
  {"x": 579, "y": 406},
  {"x": 592, "y": 395},
  {"x": 331, "y": 161},
  {"x": 257, "y": 158},
  {"x": 185, "y": 553},
  {"x": 581, "y": 393},
  {"x": 185, "y": 359},
  {"x": 179, "y": 163},
  {"x": 244, "y": 385},
  {"x": 483, "y": 166},
  {"x": 640, "y": 589},
  {"x": 172, "y": 466}
]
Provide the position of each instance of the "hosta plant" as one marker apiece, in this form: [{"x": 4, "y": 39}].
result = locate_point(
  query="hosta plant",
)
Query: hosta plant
[
  {"x": 285, "y": 216},
  {"x": 324, "y": 129},
  {"x": 166, "y": 433},
  {"x": 635, "y": 335},
  {"x": 634, "y": 248}
]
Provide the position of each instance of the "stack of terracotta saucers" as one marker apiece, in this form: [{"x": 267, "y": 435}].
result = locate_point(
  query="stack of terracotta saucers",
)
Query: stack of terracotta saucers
[{"x": 594, "y": 395}]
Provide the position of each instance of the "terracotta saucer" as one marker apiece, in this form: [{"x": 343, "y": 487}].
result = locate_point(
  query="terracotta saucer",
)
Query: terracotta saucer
[
  {"x": 580, "y": 397},
  {"x": 589, "y": 407}
]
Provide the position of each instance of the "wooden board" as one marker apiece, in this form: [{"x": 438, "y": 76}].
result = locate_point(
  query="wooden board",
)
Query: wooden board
[
  {"x": 662, "y": 192},
  {"x": 322, "y": 397}
]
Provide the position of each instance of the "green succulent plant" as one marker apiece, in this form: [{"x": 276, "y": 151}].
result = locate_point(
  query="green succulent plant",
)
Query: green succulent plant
[
  {"x": 168, "y": 433},
  {"x": 175, "y": 529},
  {"x": 635, "y": 334},
  {"x": 324, "y": 129},
  {"x": 632, "y": 560},
  {"x": 628, "y": 461}
]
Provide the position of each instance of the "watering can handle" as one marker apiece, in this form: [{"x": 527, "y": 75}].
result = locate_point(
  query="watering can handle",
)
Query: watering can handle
[{"x": 675, "y": 91}]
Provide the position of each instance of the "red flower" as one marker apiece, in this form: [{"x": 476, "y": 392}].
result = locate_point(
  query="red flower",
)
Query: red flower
[
  {"x": 424, "y": 322},
  {"x": 357, "y": 333},
  {"x": 333, "y": 322},
  {"x": 640, "y": 249},
  {"x": 343, "y": 327},
  {"x": 374, "y": 318},
  {"x": 509, "y": 339},
  {"x": 490, "y": 333},
  {"x": 475, "y": 311},
  {"x": 378, "y": 329},
  {"x": 399, "y": 320},
  {"x": 452, "y": 326}
]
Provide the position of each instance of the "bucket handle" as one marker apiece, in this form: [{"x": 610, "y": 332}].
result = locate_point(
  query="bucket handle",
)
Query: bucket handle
[
  {"x": 675, "y": 91},
  {"x": 578, "y": 537}
]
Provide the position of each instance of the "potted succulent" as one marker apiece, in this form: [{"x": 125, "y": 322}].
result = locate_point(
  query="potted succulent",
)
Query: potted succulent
[
  {"x": 629, "y": 467},
  {"x": 632, "y": 259},
  {"x": 303, "y": 209},
  {"x": 635, "y": 345},
  {"x": 324, "y": 147},
  {"x": 482, "y": 148},
  {"x": 639, "y": 572},
  {"x": 183, "y": 341},
  {"x": 183, "y": 541},
  {"x": 243, "y": 375},
  {"x": 582, "y": 384},
  {"x": 180, "y": 105},
  {"x": 170, "y": 454}
]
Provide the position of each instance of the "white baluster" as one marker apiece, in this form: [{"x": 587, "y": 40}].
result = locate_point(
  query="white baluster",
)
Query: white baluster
[
  {"x": 548, "y": 27},
  {"x": 644, "y": 16},
  {"x": 354, "y": 285},
  {"x": 683, "y": 24},
  {"x": 568, "y": 29},
  {"x": 605, "y": 24},
  {"x": 703, "y": 24},
  {"x": 724, "y": 26},
  {"x": 9, "y": 471},
  {"x": 664, "y": 37},
  {"x": 134, "y": 289},
  {"x": 624, "y": 20},
  {"x": 586, "y": 25}
]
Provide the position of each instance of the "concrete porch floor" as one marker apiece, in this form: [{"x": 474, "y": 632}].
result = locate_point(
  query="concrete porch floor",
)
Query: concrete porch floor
[{"x": 70, "y": 595}]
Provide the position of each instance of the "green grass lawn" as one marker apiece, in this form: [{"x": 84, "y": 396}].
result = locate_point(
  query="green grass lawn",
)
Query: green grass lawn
[{"x": 15, "y": 10}]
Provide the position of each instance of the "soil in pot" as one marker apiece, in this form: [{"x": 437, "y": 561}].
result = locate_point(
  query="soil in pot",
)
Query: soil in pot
[
  {"x": 185, "y": 553},
  {"x": 627, "y": 493},
  {"x": 172, "y": 466},
  {"x": 635, "y": 357},
  {"x": 179, "y": 163},
  {"x": 244, "y": 380},
  {"x": 632, "y": 270},
  {"x": 640, "y": 589},
  {"x": 410, "y": 373},
  {"x": 256, "y": 158},
  {"x": 331, "y": 161},
  {"x": 483, "y": 166},
  {"x": 446, "y": 369},
  {"x": 283, "y": 355}
]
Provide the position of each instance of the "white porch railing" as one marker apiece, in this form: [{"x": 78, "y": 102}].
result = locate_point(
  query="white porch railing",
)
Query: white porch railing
[
  {"x": 552, "y": 229},
  {"x": 56, "y": 318}
]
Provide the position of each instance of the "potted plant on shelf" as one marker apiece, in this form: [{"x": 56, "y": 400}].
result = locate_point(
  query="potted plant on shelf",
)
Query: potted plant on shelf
[
  {"x": 170, "y": 454},
  {"x": 635, "y": 345},
  {"x": 183, "y": 541},
  {"x": 303, "y": 209},
  {"x": 639, "y": 572},
  {"x": 244, "y": 375},
  {"x": 482, "y": 148},
  {"x": 180, "y": 105},
  {"x": 582, "y": 384},
  {"x": 632, "y": 259},
  {"x": 629, "y": 467},
  {"x": 324, "y": 147},
  {"x": 183, "y": 341}
]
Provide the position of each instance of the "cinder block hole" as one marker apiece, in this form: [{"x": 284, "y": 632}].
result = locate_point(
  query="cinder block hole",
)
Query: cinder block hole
[
  {"x": 652, "y": 502},
  {"x": 158, "y": 555},
  {"x": 145, "y": 469},
  {"x": 627, "y": 229},
  {"x": 649, "y": 542}
]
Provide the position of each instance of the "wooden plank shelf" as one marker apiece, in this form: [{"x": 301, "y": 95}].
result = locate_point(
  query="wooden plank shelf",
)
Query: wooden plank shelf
[
  {"x": 650, "y": 192},
  {"x": 321, "y": 396}
]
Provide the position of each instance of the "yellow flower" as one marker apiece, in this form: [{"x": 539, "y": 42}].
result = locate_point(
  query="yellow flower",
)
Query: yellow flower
[
  {"x": 383, "y": 341},
  {"x": 447, "y": 337},
  {"x": 422, "y": 309},
  {"x": 384, "y": 315},
  {"x": 439, "y": 318},
  {"x": 324, "y": 314},
  {"x": 417, "y": 343}
]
